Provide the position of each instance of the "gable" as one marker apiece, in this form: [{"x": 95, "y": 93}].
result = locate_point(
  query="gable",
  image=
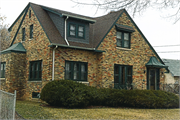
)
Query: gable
[
  {"x": 124, "y": 19},
  {"x": 44, "y": 20}
]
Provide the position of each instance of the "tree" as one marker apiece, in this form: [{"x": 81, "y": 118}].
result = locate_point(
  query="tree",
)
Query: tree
[
  {"x": 4, "y": 34},
  {"x": 136, "y": 6}
]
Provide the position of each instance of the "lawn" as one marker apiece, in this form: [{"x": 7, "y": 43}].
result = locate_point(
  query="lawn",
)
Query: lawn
[{"x": 35, "y": 110}]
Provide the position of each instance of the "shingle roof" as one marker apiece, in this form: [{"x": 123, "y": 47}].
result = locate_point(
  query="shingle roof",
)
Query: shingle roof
[
  {"x": 97, "y": 30},
  {"x": 174, "y": 66}
]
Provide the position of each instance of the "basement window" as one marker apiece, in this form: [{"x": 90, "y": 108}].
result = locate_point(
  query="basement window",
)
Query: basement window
[{"x": 35, "y": 95}]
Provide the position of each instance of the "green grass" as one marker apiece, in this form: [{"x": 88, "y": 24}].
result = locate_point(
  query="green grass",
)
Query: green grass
[{"x": 34, "y": 110}]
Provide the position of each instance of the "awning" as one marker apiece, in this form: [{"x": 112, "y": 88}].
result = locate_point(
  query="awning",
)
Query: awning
[
  {"x": 18, "y": 48},
  {"x": 153, "y": 62}
]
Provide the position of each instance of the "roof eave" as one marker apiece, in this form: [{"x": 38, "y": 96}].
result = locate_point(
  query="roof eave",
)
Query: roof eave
[
  {"x": 81, "y": 18},
  {"x": 76, "y": 47}
]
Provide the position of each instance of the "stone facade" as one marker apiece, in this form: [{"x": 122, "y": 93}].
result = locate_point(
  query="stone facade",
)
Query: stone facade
[
  {"x": 137, "y": 56},
  {"x": 100, "y": 65}
]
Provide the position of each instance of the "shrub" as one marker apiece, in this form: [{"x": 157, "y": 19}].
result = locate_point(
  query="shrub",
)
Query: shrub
[
  {"x": 70, "y": 94},
  {"x": 65, "y": 93}
]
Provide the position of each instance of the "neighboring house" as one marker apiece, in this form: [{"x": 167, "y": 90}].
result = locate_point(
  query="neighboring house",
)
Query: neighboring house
[
  {"x": 173, "y": 77},
  {"x": 49, "y": 44}
]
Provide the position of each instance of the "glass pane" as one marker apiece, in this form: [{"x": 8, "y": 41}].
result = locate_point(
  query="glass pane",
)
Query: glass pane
[
  {"x": 116, "y": 69},
  {"x": 76, "y": 68},
  {"x": 119, "y": 34},
  {"x": 72, "y": 27},
  {"x": 80, "y": 34},
  {"x": 81, "y": 29},
  {"x": 116, "y": 79},
  {"x": 126, "y": 43},
  {"x": 72, "y": 33},
  {"x": 67, "y": 66},
  {"x": 82, "y": 68},
  {"x": 126, "y": 36},
  {"x": 4, "y": 67},
  {"x": 119, "y": 43},
  {"x": 123, "y": 76},
  {"x": 1, "y": 66},
  {"x": 83, "y": 72},
  {"x": 30, "y": 74},
  {"x": 40, "y": 74},
  {"x": 68, "y": 75}
]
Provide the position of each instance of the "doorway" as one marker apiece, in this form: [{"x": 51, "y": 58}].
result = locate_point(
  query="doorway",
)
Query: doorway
[{"x": 152, "y": 79}]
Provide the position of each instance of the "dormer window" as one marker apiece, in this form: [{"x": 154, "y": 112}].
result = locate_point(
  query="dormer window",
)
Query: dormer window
[
  {"x": 123, "y": 39},
  {"x": 76, "y": 30},
  {"x": 123, "y": 36}
]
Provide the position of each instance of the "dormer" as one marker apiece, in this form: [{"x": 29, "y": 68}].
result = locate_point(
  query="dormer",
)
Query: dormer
[{"x": 72, "y": 27}]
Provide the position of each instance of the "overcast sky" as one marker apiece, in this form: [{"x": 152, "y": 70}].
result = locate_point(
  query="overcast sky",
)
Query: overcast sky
[{"x": 158, "y": 30}]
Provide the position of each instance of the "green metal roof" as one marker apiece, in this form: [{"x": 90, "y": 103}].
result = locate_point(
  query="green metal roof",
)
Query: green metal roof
[
  {"x": 153, "y": 62},
  {"x": 18, "y": 47}
]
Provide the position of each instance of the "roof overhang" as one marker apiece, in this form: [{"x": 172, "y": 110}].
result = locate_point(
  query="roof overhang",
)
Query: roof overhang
[
  {"x": 17, "y": 48},
  {"x": 76, "y": 47},
  {"x": 80, "y": 18},
  {"x": 153, "y": 62},
  {"x": 124, "y": 28}
]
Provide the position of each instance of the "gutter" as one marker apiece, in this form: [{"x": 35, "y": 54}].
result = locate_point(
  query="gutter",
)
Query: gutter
[
  {"x": 66, "y": 31},
  {"x": 76, "y": 47},
  {"x": 53, "y": 62},
  {"x": 78, "y": 17}
]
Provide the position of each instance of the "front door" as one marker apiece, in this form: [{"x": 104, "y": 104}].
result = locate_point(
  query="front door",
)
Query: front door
[{"x": 153, "y": 79}]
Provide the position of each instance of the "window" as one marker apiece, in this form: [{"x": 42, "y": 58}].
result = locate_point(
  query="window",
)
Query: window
[
  {"x": 123, "y": 39},
  {"x": 122, "y": 76},
  {"x": 76, "y": 71},
  {"x": 35, "y": 95},
  {"x": 23, "y": 34},
  {"x": 76, "y": 30},
  {"x": 31, "y": 31},
  {"x": 3, "y": 69},
  {"x": 35, "y": 70},
  {"x": 29, "y": 13}
]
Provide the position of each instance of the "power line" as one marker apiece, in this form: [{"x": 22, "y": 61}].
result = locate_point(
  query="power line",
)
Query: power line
[
  {"x": 168, "y": 52},
  {"x": 167, "y": 45}
]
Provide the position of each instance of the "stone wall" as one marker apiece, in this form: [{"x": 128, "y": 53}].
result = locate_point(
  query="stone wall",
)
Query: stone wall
[
  {"x": 37, "y": 49},
  {"x": 15, "y": 70},
  {"x": 137, "y": 56}
]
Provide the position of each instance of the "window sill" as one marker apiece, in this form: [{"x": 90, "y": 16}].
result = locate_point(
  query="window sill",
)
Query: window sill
[
  {"x": 2, "y": 78},
  {"x": 127, "y": 49},
  {"x": 34, "y": 81},
  {"x": 83, "y": 82}
]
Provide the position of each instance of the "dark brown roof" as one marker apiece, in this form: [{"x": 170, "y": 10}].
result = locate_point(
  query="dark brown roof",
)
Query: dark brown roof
[
  {"x": 48, "y": 25},
  {"x": 97, "y": 30}
]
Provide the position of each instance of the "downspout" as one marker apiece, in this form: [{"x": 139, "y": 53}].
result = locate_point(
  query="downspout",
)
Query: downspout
[
  {"x": 53, "y": 62},
  {"x": 66, "y": 31}
]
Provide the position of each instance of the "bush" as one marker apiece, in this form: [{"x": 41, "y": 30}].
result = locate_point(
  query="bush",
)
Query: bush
[
  {"x": 65, "y": 93},
  {"x": 70, "y": 94}
]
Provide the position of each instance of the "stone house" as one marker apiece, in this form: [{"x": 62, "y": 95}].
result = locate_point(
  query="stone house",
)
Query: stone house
[
  {"x": 50, "y": 44},
  {"x": 173, "y": 77}
]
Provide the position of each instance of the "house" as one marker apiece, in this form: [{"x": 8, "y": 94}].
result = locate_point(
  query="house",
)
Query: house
[
  {"x": 50, "y": 44},
  {"x": 173, "y": 77}
]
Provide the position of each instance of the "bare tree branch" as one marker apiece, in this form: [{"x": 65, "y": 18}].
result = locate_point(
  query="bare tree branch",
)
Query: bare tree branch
[{"x": 135, "y": 6}]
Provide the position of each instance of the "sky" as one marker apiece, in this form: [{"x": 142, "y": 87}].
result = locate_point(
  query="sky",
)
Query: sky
[{"x": 159, "y": 30}]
